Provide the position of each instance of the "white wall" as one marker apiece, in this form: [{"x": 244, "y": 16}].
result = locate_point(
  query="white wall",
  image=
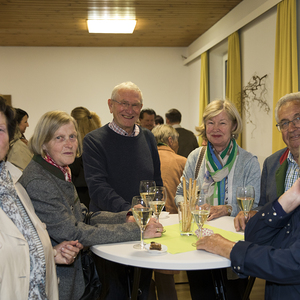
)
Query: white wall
[
  {"x": 257, "y": 41},
  {"x": 258, "y": 56},
  {"x": 42, "y": 79}
]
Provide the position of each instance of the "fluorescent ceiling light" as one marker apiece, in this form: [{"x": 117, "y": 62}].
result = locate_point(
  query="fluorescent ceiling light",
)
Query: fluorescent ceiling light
[{"x": 111, "y": 26}]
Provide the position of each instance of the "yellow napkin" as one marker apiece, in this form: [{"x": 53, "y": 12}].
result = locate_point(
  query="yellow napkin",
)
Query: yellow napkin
[{"x": 177, "y": 243}]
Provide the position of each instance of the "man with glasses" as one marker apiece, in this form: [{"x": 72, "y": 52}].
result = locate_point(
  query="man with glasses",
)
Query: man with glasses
[
  {"x": 281, "y": 169},
  {"x": 116, "y": 157}
]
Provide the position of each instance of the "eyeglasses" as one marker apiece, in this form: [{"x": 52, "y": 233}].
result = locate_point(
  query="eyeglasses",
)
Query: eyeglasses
[
  {"x": 285, "y": 125},
  {"x": 127, "y": 105}
]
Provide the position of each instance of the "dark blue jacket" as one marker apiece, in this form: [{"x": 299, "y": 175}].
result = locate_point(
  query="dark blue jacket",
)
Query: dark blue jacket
[{"x": 271, "y": 252}]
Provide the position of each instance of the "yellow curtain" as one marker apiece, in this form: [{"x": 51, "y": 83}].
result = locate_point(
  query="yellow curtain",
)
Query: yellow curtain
[
  {"x": 234, "y": 80},
  {"x": 203, "y": 88},
  {"x": 286, "y": 62}
]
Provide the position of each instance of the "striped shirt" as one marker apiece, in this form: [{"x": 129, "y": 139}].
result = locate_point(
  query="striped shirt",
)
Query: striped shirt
[{"x": 292, "y": 173}]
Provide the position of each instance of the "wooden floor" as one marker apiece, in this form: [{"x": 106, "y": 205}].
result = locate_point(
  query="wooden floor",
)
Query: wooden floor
[{"x": 183, "y": 291}]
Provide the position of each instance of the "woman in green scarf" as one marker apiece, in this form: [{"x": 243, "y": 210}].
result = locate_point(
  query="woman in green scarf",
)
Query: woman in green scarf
[{"x": 224, "y": 167}]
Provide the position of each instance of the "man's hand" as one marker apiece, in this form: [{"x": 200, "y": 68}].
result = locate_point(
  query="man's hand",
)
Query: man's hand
[
  {"x": 240, "y": 221},
  {"x": 215, "y": 244},
  {"x": 291, "y": 198}
]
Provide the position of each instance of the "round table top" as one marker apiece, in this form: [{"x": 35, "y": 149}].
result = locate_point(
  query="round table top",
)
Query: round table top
[{"x": 124, "y": 253}]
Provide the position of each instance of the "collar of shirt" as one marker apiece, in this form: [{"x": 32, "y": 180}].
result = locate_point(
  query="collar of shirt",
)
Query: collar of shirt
[
  {"x": 117, "y": 129},
  {"x": 176, "y": 126},
  {"x": 292, "y": 172}
]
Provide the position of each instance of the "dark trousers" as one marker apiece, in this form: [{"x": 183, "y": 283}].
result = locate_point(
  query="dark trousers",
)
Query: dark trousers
[
  {"x": 202, "y": 285},
  {"x": 117, "y": 280}
]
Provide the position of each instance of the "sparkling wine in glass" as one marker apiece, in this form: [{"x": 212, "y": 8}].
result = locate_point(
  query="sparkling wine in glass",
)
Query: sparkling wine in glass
[
  {"x": 142, "y": 213},
  {"x": 200, "y": 211},
  {"x": 245, "y": 198},
  {"x": 158, "y": 201},
  {"x": 147, "y": 189}
]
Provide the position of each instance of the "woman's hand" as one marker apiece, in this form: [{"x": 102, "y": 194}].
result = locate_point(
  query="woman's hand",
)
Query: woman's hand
[
  {"x": 66, "y": 252},
  {"x": 215, "y": 244},
  {"x": 217, "y": 212},
  {"x": 153, "y": 229}
]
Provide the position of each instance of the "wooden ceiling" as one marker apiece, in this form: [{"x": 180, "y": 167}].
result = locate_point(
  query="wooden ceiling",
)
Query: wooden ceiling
[{"x": 160, "y": 23}]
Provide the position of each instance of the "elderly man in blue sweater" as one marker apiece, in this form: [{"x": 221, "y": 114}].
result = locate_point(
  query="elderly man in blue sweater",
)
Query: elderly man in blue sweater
[{"x": 116, "y": 157}]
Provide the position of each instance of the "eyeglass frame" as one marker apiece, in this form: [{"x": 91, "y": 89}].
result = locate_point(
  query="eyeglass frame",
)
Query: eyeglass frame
[
  {"x": 288, "y": 124},
  {"x": 126, "y": 105}
]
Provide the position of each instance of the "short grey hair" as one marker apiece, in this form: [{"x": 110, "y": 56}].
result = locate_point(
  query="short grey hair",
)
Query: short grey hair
[
  {"x": 45, "y": 129},
  {"x": 285, "y": 99},
  {"x": 163, "y": 132},
  {"x": 128, "y": 85}
]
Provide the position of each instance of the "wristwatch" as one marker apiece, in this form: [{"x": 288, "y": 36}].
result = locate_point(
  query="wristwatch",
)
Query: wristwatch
[{"x": 229, "y": 210}]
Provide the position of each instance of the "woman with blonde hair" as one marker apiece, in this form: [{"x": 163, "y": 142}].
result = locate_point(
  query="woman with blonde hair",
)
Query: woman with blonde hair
[
  {"x": 86, "y": 121},
  {"x": 224, "y": 167}
]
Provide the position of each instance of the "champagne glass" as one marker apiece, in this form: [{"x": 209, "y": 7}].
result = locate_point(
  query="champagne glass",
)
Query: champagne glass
[
  {"x": 245, "y": 198},
  {"x": 158, "y": 202},
  {"x": 147, "y": 189},
  {"x": 200, "y": 211},
  {"x": 142, "y": 213}
]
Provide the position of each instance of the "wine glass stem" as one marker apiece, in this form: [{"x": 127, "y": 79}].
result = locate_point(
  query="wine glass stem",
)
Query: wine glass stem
[
  {"x": 200, "y": 231},
  {"x": 142, "y": 240}
]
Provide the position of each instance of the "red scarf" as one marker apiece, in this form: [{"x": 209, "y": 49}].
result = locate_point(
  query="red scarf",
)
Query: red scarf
[{"x": 66, "y": 170}]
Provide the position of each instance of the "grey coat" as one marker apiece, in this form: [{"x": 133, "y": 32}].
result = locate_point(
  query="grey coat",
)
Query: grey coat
[{"x": 57, "y": 204}]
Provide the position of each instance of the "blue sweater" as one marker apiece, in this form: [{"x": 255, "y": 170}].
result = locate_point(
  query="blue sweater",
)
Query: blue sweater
[{"x": 114, "y": 165}]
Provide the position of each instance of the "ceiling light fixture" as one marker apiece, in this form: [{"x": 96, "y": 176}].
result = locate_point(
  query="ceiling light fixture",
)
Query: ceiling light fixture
[{"x": 111, "y": 26}]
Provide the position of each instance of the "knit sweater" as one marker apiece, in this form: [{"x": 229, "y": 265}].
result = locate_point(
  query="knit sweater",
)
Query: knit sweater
[
  {"x": 172, "y": 166},
  {"x": 115, "y": 164},
  {"x": 245, "y": 171}
]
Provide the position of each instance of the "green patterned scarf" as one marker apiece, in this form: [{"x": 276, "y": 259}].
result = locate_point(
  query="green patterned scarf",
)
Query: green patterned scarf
[{"x": 218, "y": 167}]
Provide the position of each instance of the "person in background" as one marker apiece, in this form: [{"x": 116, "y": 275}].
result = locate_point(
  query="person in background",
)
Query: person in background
[
  {"x": 159, "y": 120},
  {"x": 172, "y": 166},
  {"x": 22, "y": 122},
  {"x": 271, "y": 247},
  {"x": 47, "y": 180},
  {"x": 87, "y": 121},
  {"x": 147, "y": 118},
  {"x": 280, "y": 170},
  {"x": 225, "y": 166},
  {"x": 187, "y": 140},
  {"x": 116, "y": 157},
  {"x": 27, "y": 258},
  {"x": 19, "y": 153}
]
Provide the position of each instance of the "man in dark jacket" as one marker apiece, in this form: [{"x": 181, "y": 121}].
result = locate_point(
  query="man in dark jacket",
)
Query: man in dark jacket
[
  {"x": 281, "y": 169},
  {"x": 187, "y": 140}
]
